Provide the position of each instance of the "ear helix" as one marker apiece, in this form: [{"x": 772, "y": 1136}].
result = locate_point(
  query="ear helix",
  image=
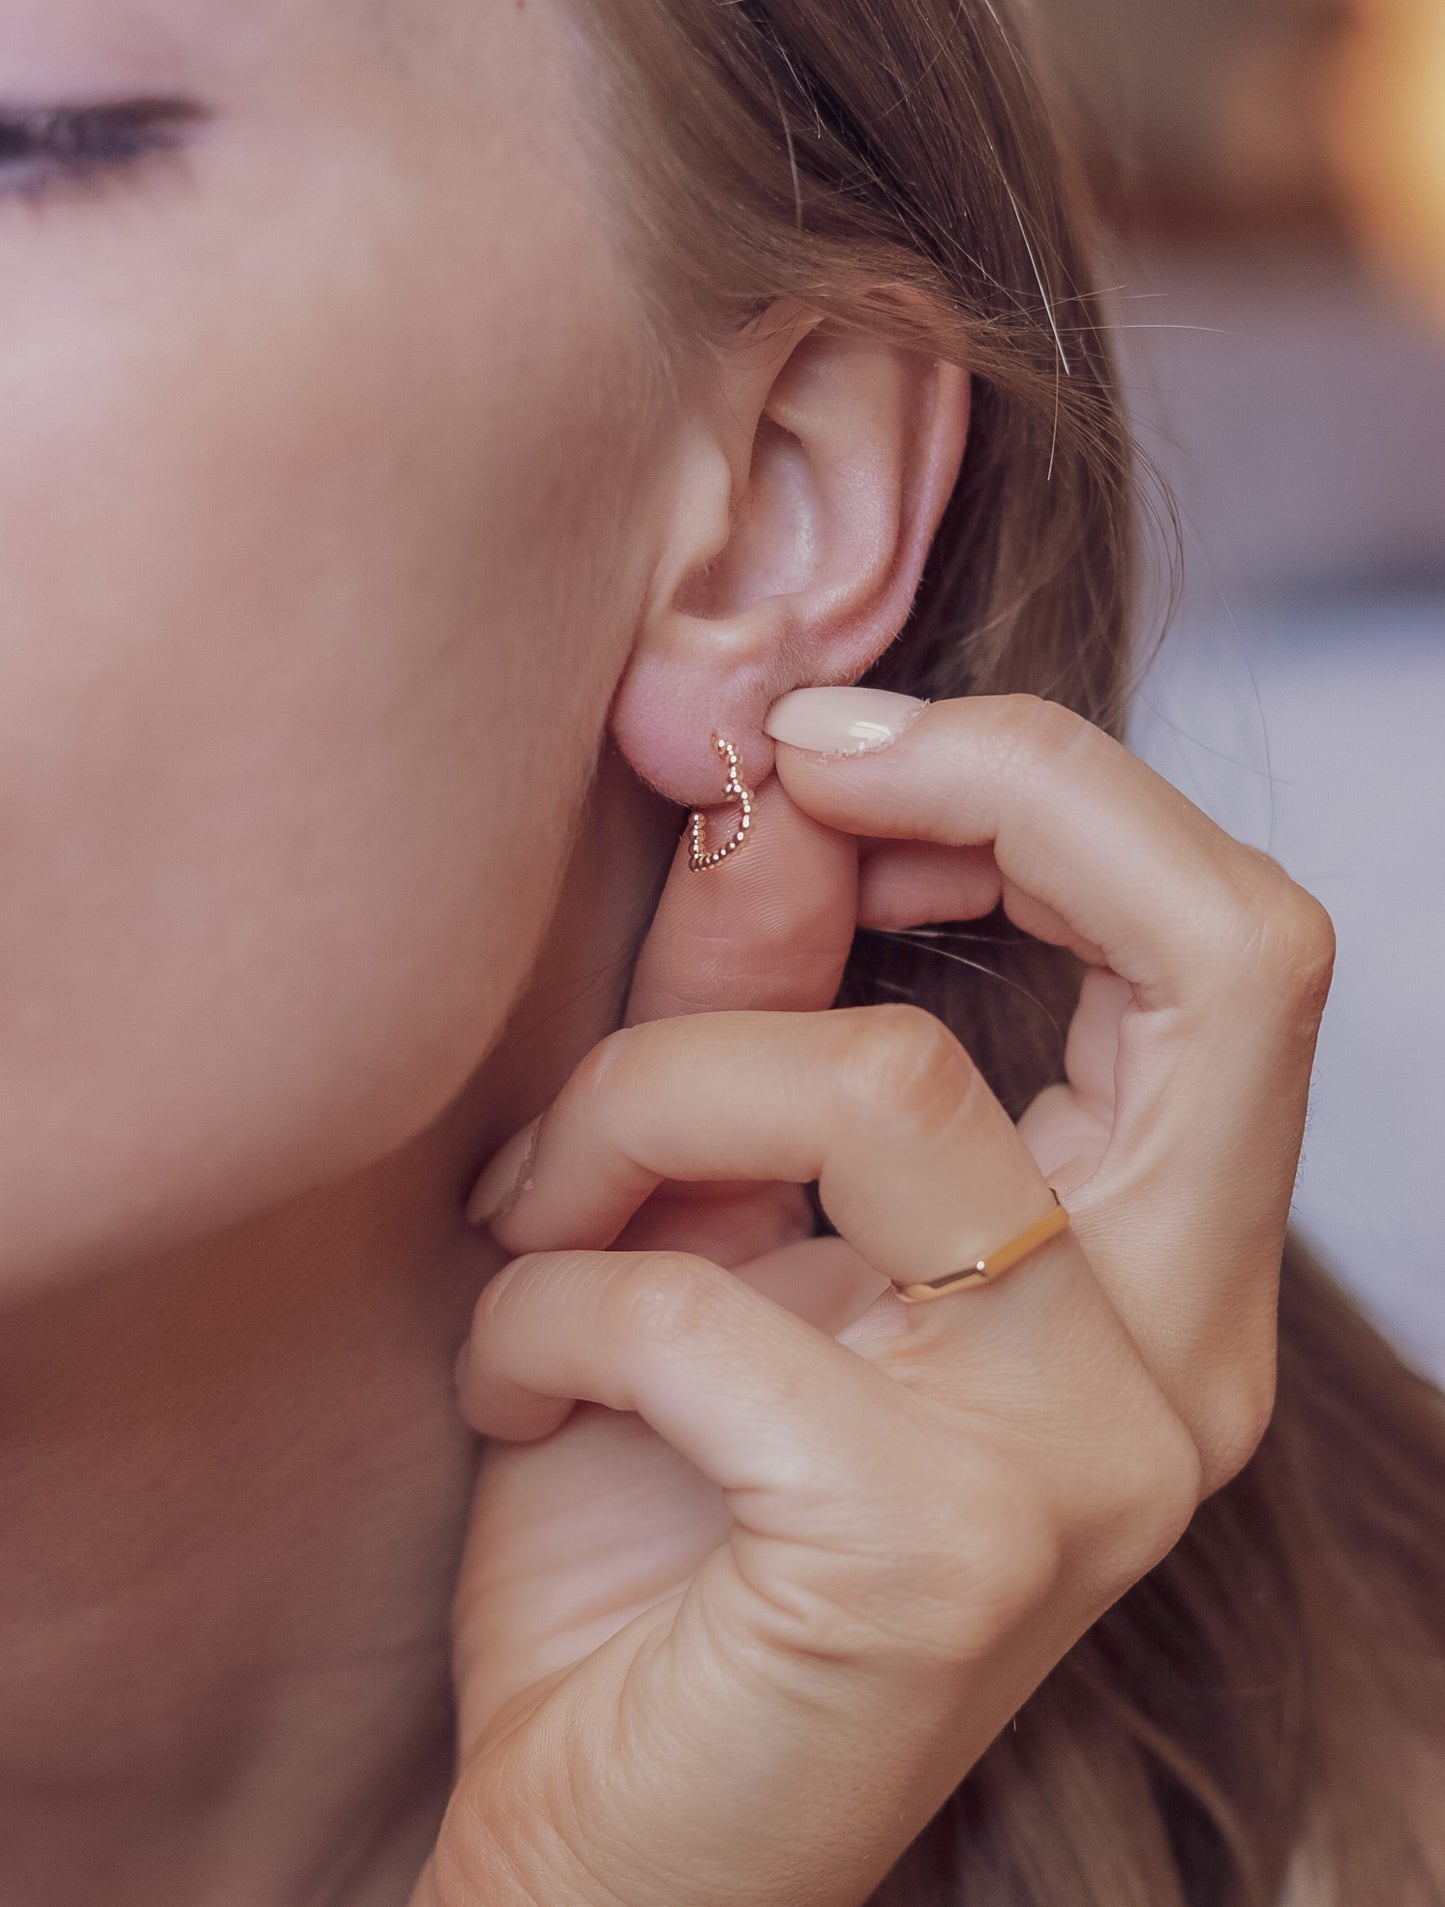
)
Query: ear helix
[{"x": 734, "y": 789}]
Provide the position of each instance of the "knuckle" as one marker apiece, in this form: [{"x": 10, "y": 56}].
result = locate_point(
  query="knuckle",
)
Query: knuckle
[
  {"x": 1309, "y": 942},
  {"x": 903, "y": 1058},
  {"x": 1170, "y": 1485},
  {"x": 1033, "y": 725},
  {"x": 665, "y": 1298},
  {"x": 1287, "y": 936},
  {"x": 1014, "y": 1556},
  {"x": 1177, "y": 1482},
  {"x": 1233, "y": 1426},
  {"x": 1157, "y": 1479}
]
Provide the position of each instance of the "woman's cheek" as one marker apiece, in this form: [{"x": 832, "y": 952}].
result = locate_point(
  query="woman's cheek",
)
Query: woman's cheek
[{"x": 293, "y": 712}]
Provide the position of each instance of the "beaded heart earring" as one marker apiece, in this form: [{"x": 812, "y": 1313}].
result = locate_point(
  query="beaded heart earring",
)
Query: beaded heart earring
[{"x": 735, "y": 789}]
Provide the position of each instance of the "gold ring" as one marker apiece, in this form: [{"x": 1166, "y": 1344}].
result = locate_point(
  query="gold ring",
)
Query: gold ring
[{"x": 985, "y": 1270}]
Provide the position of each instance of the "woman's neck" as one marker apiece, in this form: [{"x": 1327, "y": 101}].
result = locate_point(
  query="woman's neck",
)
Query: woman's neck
[{"x": 233, "y": 1490}]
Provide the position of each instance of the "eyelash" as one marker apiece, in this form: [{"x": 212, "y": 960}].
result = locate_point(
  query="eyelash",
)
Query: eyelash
[{"x": 52, "y": 146}]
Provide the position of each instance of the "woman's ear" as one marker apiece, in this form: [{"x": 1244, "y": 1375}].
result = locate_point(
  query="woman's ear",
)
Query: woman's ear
[{"x": 811, "y": 474}]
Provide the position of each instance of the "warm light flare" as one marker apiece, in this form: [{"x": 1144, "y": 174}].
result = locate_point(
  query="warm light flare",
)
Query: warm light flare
[{"x": 1384, "y": 124}]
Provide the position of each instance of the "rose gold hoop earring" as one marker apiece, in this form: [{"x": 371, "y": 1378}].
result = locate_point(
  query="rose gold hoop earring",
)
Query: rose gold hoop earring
[{"x": 735, "y": 789}]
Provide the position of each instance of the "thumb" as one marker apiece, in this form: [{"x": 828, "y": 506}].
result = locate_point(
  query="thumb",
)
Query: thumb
[{"x": 768, "y": 929}]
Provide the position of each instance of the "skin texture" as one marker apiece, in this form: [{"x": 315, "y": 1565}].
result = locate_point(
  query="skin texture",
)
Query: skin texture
[
  {"x": 288, "y": 426},
  {"x": 364, "y": 620}
]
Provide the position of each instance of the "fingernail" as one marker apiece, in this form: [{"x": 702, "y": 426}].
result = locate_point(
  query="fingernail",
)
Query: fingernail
[
  {"x": 842, "y": 721},
  {"x": 506, "y": 1178}
]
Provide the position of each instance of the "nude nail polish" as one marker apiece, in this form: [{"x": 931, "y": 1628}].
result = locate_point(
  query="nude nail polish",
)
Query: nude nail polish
[{"x": 838, "y": 721}]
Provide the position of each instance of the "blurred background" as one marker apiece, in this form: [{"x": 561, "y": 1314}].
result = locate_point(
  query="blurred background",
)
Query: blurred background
[{"x": 1272, "y": 177}]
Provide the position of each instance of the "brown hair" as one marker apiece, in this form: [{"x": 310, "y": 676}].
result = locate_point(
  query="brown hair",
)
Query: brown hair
[{"x": 1264, "y": 1708}]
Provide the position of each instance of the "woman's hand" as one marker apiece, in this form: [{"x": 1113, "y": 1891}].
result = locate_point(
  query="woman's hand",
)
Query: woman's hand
[{"x": 763, "y": 1558}]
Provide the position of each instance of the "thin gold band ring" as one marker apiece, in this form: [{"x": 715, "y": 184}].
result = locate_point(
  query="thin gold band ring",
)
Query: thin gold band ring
[{"x": 985, "y": 1270}]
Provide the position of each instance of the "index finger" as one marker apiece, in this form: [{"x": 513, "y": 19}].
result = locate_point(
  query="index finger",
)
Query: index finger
[
  {"x": 1074, "y": 820},
  {"x": 1184, "y": 1216}
]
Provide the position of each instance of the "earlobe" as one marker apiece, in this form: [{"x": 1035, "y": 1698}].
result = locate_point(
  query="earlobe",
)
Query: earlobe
[{"x": 810, "y": 483}]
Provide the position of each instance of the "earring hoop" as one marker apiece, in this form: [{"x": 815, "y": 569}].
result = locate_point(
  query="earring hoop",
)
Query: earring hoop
[{"x": 735, "y": 789}]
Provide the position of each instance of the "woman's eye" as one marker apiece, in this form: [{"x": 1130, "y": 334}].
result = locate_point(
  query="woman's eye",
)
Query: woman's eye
[{"x": 46, "y": 146}]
